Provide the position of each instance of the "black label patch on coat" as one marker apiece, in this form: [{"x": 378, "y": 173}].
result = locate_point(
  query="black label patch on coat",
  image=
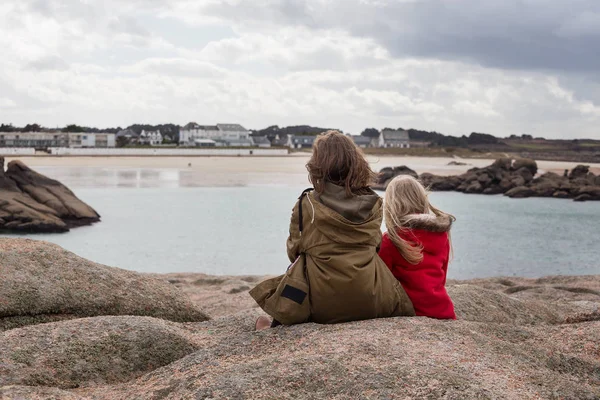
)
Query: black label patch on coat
[{"x": 294, "y": 294}]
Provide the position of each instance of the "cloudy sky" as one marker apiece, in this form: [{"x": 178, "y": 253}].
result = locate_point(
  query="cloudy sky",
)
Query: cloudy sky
[{"x": 455, "y": 66}]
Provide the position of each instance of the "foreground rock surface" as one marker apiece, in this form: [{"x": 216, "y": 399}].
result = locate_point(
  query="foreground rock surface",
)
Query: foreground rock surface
[
  {"x": 90, "y": 351},
  {"x": 515, "y": 338},
  {"x": 31, "y": 202},
  {"x": 515, "y": 178},
  {"x": 41, "y": 282},
  {"x": 388, "y": 358}
]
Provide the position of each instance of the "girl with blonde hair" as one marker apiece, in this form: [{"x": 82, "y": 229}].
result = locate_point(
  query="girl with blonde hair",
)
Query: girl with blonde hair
[{"x": 417, "y": 246}]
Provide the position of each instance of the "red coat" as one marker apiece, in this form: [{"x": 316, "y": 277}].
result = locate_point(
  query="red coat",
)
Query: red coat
[{"x": 425, "y": 283}]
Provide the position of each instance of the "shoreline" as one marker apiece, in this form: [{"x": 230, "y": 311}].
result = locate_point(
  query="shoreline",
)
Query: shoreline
[{"x": 274, "y": 164}]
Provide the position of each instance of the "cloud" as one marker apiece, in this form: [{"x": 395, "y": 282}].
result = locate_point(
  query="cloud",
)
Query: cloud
[
  {"x": 46, "y": 63},
  {"x": 503, "y": 67},
  {"x": 297, "y": 49},
  {"x": 175, "y": 67},
  {"x": 7, "y": 103},
  {"x": 583, "y": 24},
  {"x": 519, "y": 34}
]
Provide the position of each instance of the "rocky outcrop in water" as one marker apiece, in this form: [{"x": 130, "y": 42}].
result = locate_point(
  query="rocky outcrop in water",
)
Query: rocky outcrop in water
[
  {"x": 514, "y": 338},
  {"x": 31, "y": 202},
  {"x": 514, "y": 178},
  {"x": 387, "y": 174}
]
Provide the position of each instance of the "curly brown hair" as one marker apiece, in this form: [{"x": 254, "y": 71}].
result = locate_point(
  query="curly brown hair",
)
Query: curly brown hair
[{"x": 336, "y": 159}]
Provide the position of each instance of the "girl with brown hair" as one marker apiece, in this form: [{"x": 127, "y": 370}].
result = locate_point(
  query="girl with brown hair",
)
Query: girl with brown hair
[{"x": 335, "y": 231}]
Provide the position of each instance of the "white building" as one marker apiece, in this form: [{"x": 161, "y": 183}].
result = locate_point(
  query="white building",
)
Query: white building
[
  {"x": 224, "y": 135},
  {"x": 34, "y": 139},
  {"x": 56, "y": 139},
  {"x": 81, "y": 139},
  {"x": 394, "y": 138},
  {"x": 105, "y": 139},
  {"x": 152, "y": 138},
  {"x": 89, "y": 140}
]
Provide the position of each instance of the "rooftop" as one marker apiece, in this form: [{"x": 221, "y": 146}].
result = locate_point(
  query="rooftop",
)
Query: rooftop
[
  {"x": 361, "y": 139},
  {"x": 394, "y": 134},
  {"x": 193, "y": 125},
  {"x": 261, "y": 140},
  {"x": 231, "y": 127}
]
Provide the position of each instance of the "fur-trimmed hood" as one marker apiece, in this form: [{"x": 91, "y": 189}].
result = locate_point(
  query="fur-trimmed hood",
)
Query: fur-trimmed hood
[{"x": 428, "y": 222}]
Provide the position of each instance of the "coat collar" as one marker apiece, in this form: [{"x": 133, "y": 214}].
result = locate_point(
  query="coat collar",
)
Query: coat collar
[{"x": 428, "y": 222}]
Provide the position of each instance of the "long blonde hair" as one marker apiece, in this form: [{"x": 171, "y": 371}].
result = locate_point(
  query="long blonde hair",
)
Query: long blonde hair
[{"x": 405, "y": 201}]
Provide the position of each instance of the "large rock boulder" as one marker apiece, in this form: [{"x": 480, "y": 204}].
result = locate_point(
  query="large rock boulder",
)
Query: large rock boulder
[
  {"x": 504, "y": 163},
  {"x": 31, "y": 202},
  {"x": 544, "y": 189},
  {"x": 41, "y": 282},
  {"x": 19, "y": 212},
  {"x": 387, "y": 174},
  {"x": 90, "y": 351},
  {"x": 440, "y": 183},
  {"x": 520, "y": 192},
  {"x": 525, "y": 173},
  {"x": 592, "y": 191},
  {"x": 52, "y": 194},
  {"x": 579, "y": 171},
  {"x": 525, "y": 163},
  {"x": 474, "y": 187}
]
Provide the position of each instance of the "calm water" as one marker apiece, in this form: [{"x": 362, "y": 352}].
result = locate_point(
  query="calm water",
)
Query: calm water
[{"x": 242, "y": 230}]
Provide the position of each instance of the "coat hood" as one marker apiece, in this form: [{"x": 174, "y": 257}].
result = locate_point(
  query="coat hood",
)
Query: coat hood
[
  {"x": 347, "y": 219},
  {"x": 428, "y": 222}
]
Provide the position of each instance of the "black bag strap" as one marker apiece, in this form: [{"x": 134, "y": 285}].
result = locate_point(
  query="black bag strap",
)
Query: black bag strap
[{"x": 300, "y": 222}]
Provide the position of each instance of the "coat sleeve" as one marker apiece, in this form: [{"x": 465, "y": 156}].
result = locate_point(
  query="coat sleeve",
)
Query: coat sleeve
[
  {"x": 386, "y": 252},
  {"x": 294, "y": 239}
]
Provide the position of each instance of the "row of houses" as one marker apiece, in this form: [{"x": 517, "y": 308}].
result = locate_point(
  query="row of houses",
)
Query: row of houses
[
  {"x": 147, "y": 138},
  {"x": 219, "y": 135},
  {"x": 80, "y": 139},
  {"x": 235, "y": 135},
  {"x": 56, "y": 139},
  {"x": 388, "y": 138},
  {"x": 191, "y": 135}
]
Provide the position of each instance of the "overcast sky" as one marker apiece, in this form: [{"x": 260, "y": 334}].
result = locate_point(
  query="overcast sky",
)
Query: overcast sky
[{"x": 456, "y": 66}]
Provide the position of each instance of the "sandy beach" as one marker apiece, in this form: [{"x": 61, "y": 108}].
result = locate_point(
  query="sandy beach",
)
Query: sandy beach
[{"x": 290, "y": 170}]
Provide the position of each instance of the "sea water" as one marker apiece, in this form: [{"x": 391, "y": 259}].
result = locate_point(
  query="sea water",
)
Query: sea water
[{"x": 151, "y": 222}]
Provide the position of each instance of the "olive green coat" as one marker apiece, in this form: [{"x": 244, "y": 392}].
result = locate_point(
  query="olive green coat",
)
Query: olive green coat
[{"x": 347, "y": 280}]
